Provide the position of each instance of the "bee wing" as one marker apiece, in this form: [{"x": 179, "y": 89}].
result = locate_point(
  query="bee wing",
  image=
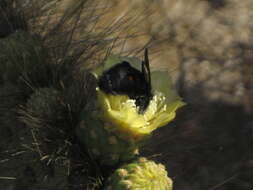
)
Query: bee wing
[{"x": 146, "y": 69}]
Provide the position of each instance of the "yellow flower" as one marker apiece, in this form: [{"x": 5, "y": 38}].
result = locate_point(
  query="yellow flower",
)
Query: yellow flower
[{"x": 121, "y": 115}]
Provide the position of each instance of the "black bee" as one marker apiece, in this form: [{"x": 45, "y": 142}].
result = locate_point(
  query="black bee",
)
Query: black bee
[{"x": 123, "y": 79}]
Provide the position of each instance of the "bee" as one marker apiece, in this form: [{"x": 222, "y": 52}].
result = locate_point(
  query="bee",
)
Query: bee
[{"x": 123, "y": 79}]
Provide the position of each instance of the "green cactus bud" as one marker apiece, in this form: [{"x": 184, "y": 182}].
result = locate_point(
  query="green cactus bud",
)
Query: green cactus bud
[
  {"x": 142, "y": 174},
  {"x": 42, "y": 108},
  {"x": 103, "y": 145}
]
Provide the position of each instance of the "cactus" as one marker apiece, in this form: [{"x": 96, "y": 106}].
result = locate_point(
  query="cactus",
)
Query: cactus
[
  {"x": 43, "y": 88},
  {"x": 11, "y": 20},
  {"x": 10, "y": 97},
  {"x": 23, "y": 61},
  {"x": 102, "y": 144},
  {"x": 44, "y": 106},
  {"x": 141, "y": 174}
]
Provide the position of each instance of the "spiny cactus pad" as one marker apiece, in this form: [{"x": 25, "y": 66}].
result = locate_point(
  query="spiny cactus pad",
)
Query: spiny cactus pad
[{"x": 142, "y": 174}]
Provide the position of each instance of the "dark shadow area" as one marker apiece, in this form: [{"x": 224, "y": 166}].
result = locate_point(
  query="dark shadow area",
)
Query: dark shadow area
[{"x": 208, "y": 146}]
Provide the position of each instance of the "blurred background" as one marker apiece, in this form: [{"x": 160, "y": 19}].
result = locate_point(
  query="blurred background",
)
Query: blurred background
[{"x": 207, "y": 48}]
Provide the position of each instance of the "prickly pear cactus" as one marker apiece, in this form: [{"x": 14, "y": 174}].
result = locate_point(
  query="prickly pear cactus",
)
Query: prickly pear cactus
[{"x": 142, "y": 174}]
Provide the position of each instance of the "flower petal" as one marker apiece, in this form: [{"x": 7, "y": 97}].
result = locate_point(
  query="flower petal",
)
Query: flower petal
[
  {"x": 123, "y": 117},
  {"x": 161, "y": 82}
]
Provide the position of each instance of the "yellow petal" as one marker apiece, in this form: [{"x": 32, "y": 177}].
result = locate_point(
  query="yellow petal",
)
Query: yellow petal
[{"x": 123, "y": 117}]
